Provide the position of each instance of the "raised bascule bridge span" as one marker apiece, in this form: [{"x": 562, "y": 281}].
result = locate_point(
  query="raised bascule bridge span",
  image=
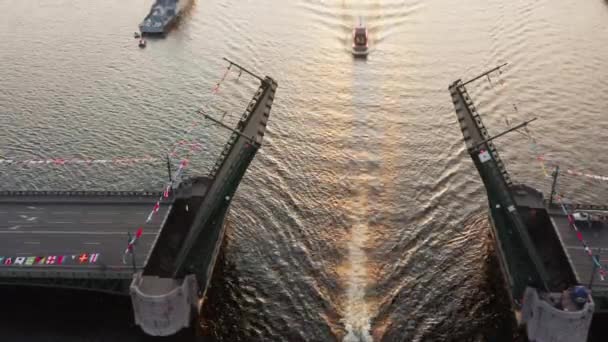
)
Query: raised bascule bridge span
[{"x": 77, "y": 239}]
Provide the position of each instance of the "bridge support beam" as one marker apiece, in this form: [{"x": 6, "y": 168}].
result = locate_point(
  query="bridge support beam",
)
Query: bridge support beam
[{"x": 164, "y": 306}]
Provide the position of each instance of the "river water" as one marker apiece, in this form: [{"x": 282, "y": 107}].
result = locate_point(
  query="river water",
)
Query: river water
[{"x": 362, "y": 217}]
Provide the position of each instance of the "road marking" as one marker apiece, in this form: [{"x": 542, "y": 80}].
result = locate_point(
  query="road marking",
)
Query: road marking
[
  {"x": 14, "y": 227},
  {"x": 27, "y": 218},
  {"x": 65, "y": 212},
  {"x": 32, "y": 208},
  {"x": 60, "y": 222},
  {"x": 96, "y": 222},
  {"x": 92, "y": 243},
  {"x": 32, "y": 242}
]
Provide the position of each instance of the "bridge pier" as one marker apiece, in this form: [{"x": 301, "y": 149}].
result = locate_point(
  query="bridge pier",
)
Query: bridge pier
[{"x": 164, "y": 306}]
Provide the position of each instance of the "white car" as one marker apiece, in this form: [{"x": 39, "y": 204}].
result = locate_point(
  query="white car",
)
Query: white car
[
  {"x": 581, "y": 216},
  {"x": 590, "y": 216}
]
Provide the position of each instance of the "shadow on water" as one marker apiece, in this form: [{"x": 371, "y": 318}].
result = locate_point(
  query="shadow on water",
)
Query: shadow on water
[
  {"x": 475, "y": 308},
  {"x": 49, "y": 315}
]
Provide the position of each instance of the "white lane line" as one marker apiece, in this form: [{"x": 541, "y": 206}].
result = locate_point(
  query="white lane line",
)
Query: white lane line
[
  {"x": 65, "y": 212},
  {"x": 60, "y": 222},
  {"x": 92, "y": 243},
  {"x": 50, "y": 232},
  {"x": 25, "y": 217},
  {"x": 14, "y": 227},
  {"x": 32, "y": 208},
  {"x": 96, "y": 222},
  {"x": 32, "y": 242}
]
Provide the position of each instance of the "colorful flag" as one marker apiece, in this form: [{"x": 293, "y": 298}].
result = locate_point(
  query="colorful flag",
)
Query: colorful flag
[{"x": 84, "y": 257}]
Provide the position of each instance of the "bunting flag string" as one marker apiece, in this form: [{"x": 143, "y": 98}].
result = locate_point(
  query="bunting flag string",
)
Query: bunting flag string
[
  {"x": 588, "y": 175},
  {"x": 192, "y": 146},
  {"x": 579, "y": 236},
  {"x": 50, "y": 260},
  {"x": 544, "y": 163},
  {"x": 79, "y": 161},
  {"x": 216, "y": 89},
  {"x": 165, "y": 194},
  {"x": 131, "y": 244},
  {"x": 507, "y": 121},
  {"x": 183, "y": 141}
]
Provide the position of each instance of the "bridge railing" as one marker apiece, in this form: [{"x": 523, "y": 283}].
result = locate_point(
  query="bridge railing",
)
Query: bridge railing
[
  {"x": 239, "y": 127},
  {"x": 41, "y": 193},
  {"x": 484, "y": 133}
]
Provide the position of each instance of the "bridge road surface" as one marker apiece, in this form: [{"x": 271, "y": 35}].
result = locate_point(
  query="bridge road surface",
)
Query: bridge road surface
[{"x": 72, "y": 228}]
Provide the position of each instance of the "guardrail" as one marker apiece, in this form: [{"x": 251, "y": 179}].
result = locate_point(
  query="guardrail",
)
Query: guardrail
[
  {"x": 42, "y": 193},
  {"x": 484, "y": 133},
  {"x": 239, "y": 127},
  {"x": 579, "y": 206}
]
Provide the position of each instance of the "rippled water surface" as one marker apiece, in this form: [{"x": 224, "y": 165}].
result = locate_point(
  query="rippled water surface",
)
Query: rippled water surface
[{"x": 361, "y": 219}]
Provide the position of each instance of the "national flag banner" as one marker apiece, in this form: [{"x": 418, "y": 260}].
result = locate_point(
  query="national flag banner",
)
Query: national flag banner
[
  {"x": 156, "y": 207},
  {"x": 93, "y": 258},
  {"x": 48, "y": 261},
  {"x": 139, "y": 232},
  {"x": 150, "y": 217},
  {"x": 484, "y": 156},
  {"x": 84, "y": 257},
  {"x": 167, "y": 190}
]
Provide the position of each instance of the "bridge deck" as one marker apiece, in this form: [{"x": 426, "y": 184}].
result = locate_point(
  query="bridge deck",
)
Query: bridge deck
[
  {"x": 596, "y": 236},
  {"x": 76, "y": 238}
]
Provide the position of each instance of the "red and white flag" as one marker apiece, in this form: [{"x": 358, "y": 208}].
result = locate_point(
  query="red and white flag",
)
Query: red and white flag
[{"x": 93, "y": 258}]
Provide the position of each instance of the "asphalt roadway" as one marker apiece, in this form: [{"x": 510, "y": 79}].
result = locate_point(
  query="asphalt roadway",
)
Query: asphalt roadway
[{"x": 69, "y": 230}]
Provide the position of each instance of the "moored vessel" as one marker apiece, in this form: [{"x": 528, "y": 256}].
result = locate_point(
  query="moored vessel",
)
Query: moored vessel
[{"x": 162, "y": 16}]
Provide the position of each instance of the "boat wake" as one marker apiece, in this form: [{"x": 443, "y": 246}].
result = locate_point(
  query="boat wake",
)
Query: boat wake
[{"x": 356, "y": 315}]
